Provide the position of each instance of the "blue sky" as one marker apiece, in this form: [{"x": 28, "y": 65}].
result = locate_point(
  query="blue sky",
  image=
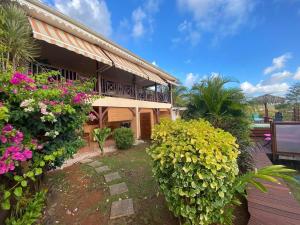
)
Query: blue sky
[{"x": 256, "y": 42}]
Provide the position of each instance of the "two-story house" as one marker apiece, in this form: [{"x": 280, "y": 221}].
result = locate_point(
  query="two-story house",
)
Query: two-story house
[{"x": 132, "y": 91}]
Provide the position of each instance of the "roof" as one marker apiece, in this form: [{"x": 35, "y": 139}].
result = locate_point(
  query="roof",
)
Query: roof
[{"x": 53, "y": 17}]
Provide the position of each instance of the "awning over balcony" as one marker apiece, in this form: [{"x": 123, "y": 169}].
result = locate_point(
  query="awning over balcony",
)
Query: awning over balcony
[
  {"x": 46, "y": 32},
  {"x": 53, "y": 35}
]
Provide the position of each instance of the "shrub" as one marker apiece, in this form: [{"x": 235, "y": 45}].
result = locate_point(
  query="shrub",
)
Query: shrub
[
  {"x": 124, "y": 138},
  {"x": 195, "y": 166}
]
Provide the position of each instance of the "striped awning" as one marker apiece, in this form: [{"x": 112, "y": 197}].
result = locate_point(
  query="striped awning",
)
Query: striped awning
[
  {"x": 126, "y": 65},
  {"x": 153, "y": 77},
  {"x": 46, "y": 32},
  {"x": 53, "y": 35}
]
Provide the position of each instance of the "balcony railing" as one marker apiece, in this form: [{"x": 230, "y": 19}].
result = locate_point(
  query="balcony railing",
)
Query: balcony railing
[{"x": 117, "y": 89}]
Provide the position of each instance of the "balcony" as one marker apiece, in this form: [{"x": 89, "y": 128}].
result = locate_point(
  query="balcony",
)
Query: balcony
[
  {"x": 153, "y": 93},
  {"x": 117, "y": 89}
]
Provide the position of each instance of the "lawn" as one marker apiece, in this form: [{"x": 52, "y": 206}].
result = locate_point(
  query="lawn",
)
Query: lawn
[{"x": 78, "y": 195}]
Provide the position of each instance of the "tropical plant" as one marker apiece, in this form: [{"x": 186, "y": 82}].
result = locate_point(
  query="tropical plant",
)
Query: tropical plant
[
  {"x": 16, "y": 42},
  {"x": 225, "y": 108},
  {"x": 101, "y": 135},
  {"x": 40, "y": 123},
  {"x": 293, "y": 94},
  {"x": 179, "y": 95},
  {"x": 124, "y": 137},
  {"x": 196, "y": 168},
  {"x": 31, "y": 213}
]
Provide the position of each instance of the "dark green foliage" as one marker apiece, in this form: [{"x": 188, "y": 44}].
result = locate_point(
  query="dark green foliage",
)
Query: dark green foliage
[{"x": 124, "y": 137}]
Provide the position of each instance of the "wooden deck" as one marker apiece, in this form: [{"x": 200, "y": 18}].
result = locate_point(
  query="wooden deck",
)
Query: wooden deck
[{"x": 278, "y": 206}]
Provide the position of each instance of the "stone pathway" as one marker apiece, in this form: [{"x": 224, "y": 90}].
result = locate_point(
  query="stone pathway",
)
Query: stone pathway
[{"x": 119, "y": 208}]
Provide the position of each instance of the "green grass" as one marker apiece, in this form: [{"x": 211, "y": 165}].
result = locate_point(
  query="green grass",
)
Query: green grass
[{"x": 135, "y": 170}]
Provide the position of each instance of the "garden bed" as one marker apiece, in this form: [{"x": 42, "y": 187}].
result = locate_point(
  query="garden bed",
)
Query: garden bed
[{"x": 78, "y": 195}]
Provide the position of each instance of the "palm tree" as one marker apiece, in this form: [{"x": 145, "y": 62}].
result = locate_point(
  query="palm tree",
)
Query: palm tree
[
  {"x": 16, "y": 36},
  {"x": 212, "y": 100},
  {"x": 179, "y": 95}
]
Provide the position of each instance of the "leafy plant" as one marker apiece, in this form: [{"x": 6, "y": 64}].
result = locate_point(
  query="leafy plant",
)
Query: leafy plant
[
  {"x": 124, "y": 137},
  {"x": 224, "y": 108},
  {"x": 16, "y": 36},
  {"x": 31, "y": 213},
  {"x": 180, "y": 95},
  {"x": 101, "y": 135},
  {"x": 196, "y": 168}
]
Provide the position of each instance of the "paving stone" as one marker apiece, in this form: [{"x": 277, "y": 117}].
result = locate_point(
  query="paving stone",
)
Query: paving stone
[
  {"x": 117, "y": 189},
  {"x": 87, "y": 160},
  {"x": 121, "y": 208},
  {"x": 102, "y": 169},
  {"x": 95, "y": 164},
  {"x": 112, "y": 176}
]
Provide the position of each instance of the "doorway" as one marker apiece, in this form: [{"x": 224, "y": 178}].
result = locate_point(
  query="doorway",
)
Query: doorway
[{"x": 145, "y": 123}]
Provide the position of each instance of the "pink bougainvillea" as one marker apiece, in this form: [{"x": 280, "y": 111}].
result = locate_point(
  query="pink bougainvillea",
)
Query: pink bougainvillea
[
  {"x": 79, "y": 97},
  {"x": 15, "y": 151},
  {"x": 19, "y": 78}
]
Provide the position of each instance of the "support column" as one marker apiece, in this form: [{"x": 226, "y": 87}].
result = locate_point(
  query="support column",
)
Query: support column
[
  {"x": 171, "y": 94},
  {"x": 100, "y": 117},
  {"x": 137, "y": 121},
  {"x": 98, "y": 78},
  {"x": 157, "y": 115},
  {"x": 155, "y": 92}
]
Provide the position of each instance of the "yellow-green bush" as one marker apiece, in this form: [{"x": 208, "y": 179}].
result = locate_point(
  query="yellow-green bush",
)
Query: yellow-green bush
[{"x": 195, "y": 166}]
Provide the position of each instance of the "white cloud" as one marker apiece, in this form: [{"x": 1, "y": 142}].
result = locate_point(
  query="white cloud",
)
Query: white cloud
[
  {"x": 154, "y": 63},
  {"x": 219, "y": 17},
  {"x": 297, "y": 74},
  {"x": 189, "y": 33},
  {"x": 277, "y": 78},
  {"x": 93, "y": 13},
  {"x": 142, "y": 18},
  {"x": 278, "y": 63},
  {"x": 278, "y": 88},
  {"x": 191, "y": 79}
]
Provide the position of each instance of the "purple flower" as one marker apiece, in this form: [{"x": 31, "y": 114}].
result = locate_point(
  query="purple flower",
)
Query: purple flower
[{"x": 7, "y": 128}]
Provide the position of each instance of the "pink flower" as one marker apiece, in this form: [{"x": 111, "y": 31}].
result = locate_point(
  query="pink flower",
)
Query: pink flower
[
  {"x": 7, "y": 128},
  {"x": 27, "y": 153},
  {"x": 79, "y": 97},
  {"x": 3, "y": 139},
  {"x": 18, "y": 138},
  {"x": 18, "y": 156},
  {"x": 13, "y": 149},
  {"x": 3, "y": 167},
  {"x": 15, "y": 91},
  {"x": 45, "y": 87},
  {"x": 19, "y": 78}
]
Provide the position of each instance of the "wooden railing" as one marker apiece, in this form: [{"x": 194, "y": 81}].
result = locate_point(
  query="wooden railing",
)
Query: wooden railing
[
  {"x": 117, "y": 89},
  {"x": 108, "y": 87}
]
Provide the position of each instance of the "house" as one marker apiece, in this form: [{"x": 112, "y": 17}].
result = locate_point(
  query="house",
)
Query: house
[{"x": 132, "y": 91}]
